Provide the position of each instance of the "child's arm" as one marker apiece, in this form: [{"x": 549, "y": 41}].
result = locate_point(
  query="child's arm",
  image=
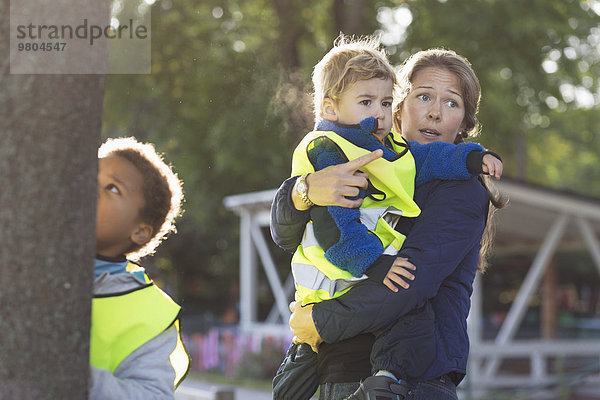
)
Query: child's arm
[
  {"x": 441, "y": 160},
  {"x": 145, "y": 374},
  {"x": 346, "y": 241}
]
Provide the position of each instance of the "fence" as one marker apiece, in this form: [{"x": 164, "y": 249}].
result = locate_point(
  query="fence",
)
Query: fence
[
  {"x": 234, "y": 353},
  {"x": 565, "y": 369}
]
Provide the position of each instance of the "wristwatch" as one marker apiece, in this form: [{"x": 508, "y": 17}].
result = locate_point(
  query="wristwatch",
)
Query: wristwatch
[{"x": 301, "y": 188}]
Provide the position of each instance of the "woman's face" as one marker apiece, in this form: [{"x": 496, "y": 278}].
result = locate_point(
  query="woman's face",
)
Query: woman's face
[{"x": 433, "y": 109}]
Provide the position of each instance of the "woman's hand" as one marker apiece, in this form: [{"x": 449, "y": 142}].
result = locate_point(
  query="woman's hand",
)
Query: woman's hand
[
  {"x": 303, "y": 325},
  {"x": 400, "y": 268},
  {"x": 331, "y": 185}
]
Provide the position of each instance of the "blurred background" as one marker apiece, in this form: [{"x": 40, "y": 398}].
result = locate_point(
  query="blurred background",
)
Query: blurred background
[{"x": 229, "y": 98}]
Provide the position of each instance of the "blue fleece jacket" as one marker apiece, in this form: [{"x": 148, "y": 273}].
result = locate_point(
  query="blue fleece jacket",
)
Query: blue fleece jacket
[{"x": 346, "y": 241}]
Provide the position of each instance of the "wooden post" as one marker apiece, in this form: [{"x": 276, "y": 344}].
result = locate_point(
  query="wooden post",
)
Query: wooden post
[
  {"x": 548, "y": 307},
  {"x": 49, "y": 134}
]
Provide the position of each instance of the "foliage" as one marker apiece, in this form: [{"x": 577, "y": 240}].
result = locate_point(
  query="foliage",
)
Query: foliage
[
  {"x": 529, "y": 56},
  {"x": 565, "y": 153},
  {"x": 227, "y": 101},
  {"x": 227, "y": 110}
]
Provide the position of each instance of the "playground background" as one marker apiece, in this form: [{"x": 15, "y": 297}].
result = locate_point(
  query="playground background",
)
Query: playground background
[{"x": 228, "y": 99}]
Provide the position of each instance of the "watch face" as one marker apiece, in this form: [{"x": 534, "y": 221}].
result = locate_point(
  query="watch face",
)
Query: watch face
[{"x": 301, "y": 187}]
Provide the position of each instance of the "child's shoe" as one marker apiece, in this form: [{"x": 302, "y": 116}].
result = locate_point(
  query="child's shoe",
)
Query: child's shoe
[{"x": 379, "y": 388}]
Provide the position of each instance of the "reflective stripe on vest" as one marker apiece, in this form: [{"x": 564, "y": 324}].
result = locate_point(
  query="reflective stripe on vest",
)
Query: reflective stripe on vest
[
  {"x": 370, "y": 218},
  {"x": 316, "y": 278},
  {"x": 123, "y": 322},
  {"x": 310, "y": 277}
]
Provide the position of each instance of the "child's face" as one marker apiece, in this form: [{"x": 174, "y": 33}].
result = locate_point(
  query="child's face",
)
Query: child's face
[
  {"x": 120, "y": 199},
  {"x": 363, "y": 99}
]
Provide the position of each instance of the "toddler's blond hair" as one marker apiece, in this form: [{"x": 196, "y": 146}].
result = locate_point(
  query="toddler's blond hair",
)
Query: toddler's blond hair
[{"x": 350, "y": 60}]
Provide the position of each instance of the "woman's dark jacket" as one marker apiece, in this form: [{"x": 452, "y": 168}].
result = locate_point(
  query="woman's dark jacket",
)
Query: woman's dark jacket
[{"x": 443, "y": 242}]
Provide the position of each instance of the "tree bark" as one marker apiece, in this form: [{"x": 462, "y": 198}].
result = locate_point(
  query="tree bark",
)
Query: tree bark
[
  {"x": 49, "y": 134},
  {"x": 549, "y": 306},
  {"x": 289, "y": 33},
  {"x": 348, "y": 16}
]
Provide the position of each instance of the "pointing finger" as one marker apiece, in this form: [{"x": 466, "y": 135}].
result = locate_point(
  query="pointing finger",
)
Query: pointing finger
[{"x": 361, "y": 161}]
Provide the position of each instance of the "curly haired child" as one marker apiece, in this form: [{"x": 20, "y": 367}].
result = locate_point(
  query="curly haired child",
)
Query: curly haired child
[{"x": 136, "y": 351}]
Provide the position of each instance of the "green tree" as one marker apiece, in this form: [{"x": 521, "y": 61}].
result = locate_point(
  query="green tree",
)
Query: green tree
[
  {"x": 227, "y": 102},
  {"x": 529, "y": 55},
  {"x": 228, "y": 99}
]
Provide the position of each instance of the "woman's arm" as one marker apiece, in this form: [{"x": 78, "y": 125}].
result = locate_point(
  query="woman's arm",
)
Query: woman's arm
[{"x": 287, "y": 222}]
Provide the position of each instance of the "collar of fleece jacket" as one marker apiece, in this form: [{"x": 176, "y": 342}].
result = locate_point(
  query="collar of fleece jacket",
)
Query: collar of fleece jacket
[{"x": 360, "y": 135}]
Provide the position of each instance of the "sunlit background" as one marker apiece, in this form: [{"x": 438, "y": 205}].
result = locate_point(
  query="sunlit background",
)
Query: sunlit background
[{"x": 229, "y": 97}]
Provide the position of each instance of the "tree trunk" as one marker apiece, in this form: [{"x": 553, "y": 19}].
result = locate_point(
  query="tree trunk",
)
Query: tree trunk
[
  {"x": 549, "y": 306},
  {"x": 348, "y": 16},
  {"x": 49, "y": 133},
  {"x": 289, "y": 33},
  {"x": 337, "y": 10}
]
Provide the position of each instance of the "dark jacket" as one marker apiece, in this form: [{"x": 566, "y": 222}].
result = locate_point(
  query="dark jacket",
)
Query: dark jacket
[{"x": 443, "y": 242}]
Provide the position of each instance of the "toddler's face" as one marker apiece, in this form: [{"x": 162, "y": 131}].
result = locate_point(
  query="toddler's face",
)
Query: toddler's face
[
  {"x": 364, "y": 99},
  {"x": 120, "y": 199}
]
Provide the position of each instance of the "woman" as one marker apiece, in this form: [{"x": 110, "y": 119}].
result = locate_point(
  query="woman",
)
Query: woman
[{"x": 438, "y": 100}]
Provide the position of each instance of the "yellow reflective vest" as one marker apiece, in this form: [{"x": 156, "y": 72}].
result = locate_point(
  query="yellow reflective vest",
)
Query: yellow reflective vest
[
  {"x": 122, "y": 322},
  {"x": 316, "y": 278}
]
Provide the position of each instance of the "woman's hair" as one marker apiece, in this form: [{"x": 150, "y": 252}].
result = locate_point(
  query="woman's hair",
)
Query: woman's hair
[
  {"x": 497, "y": 201},
  {"x": 449, "y": 61},
  {"x": 350, "y": 60},
  {"x": 161, "y": 188}
]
